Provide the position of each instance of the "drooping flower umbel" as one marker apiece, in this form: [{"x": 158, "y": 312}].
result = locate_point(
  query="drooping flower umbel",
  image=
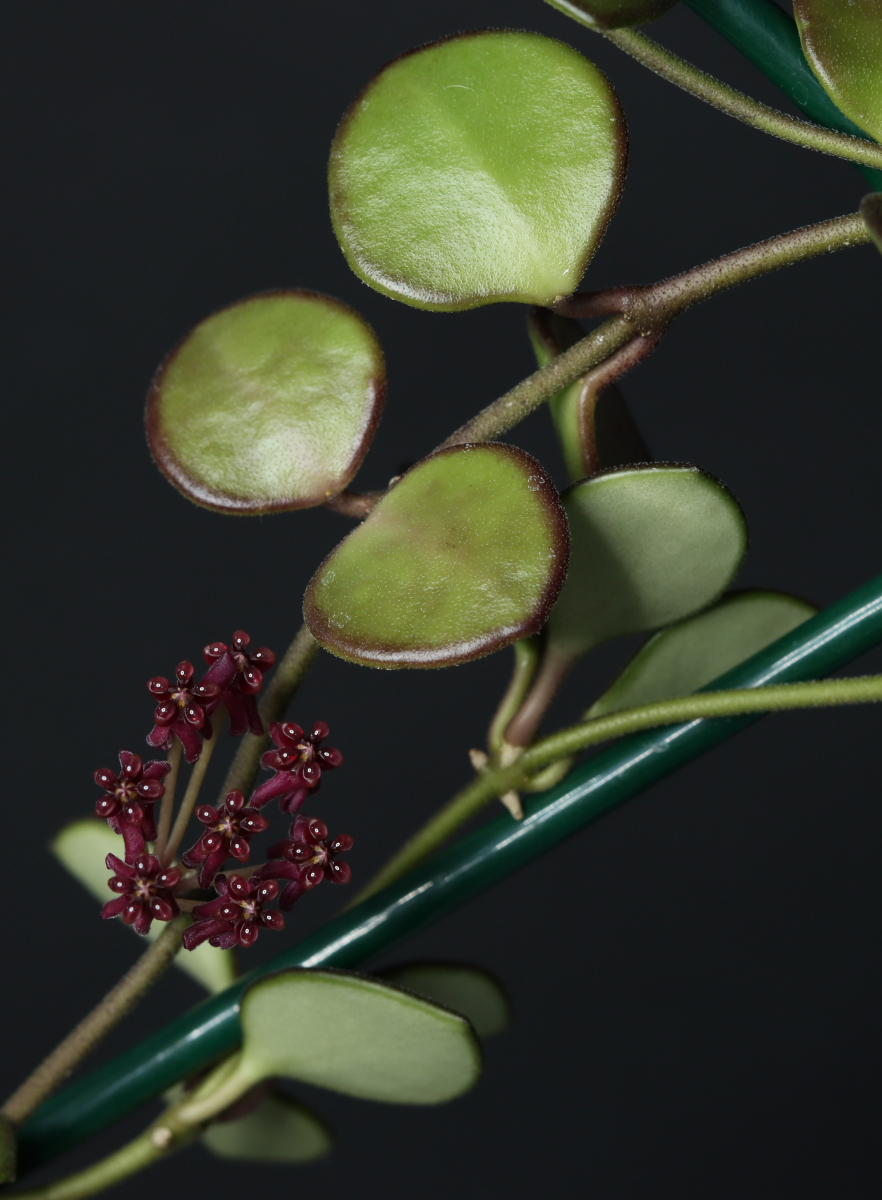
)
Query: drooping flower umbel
[
  {"x": 145, "y": 891},
  {"x": 181, "y": 711},
  {"x": 229, "y": 829},
  {"x": 238, "y": 673},
  {"x": 298, "y": 761},
  {"x": 236, "y": 917},
  {"x": 306, "y": 857},
  {"x": 128, "y": 803}
]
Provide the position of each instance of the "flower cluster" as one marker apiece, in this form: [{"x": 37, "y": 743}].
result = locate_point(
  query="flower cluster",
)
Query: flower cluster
[{"x": 148, "y": 886}]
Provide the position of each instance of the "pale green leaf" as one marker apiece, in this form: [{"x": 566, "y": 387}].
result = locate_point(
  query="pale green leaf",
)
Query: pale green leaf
[
  {"x": 466, "y": 990},
  {"x": 683, "y": 658},
  {"x": 842, "y": 40},
  {"x": 279, "y": 1130}
]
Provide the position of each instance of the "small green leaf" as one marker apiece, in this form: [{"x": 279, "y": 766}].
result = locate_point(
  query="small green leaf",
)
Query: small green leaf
[
  {"x": 613, "y": 14},
  {"x": 680, "y": 660},
  {"x": 467, "y": 990},
  {"x": 649, "y": 545},
  {"x": 82, "y": 847},
  {"x": 279, "y": 1130},
  {"x": 357, "y": 1036},
  {"x": 480, "y": 168},
  {"x": 843, "y": 44},
  {"x": 871, "y": 211},
  {"x": 595, "y": 430},
  {"x": 268, "y": 405},
  {"x": 465, "y": 554}
]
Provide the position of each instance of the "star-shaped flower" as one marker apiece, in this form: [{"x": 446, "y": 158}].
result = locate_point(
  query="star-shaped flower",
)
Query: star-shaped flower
[
  {"x": 238, "y": 672},
  {"x": 307, "y": 857},
  {"x": 144, "y": 888},
  {"x": 229, "y": 829},
  {"x": 298, "y": 761},
  {"x": 128, "y": 803},
  {"x": 236, "y": 917},
  {"x": 181, "y": 711}
]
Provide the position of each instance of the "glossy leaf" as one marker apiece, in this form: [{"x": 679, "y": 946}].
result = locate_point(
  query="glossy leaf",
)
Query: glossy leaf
[
  {"x": 613, "y": 14},
  {"x": 649, "y": 546},
  {"x": 279, "y": 1130},
  {"x": 357, "y": 1036},
  {"x": 680, "y": 660},
  {"x": 465, "y": 554},
  {"x": 595, "y": 429},
  {"x": 871, "y": 211},
  {"x": 466, "y": 990},
  {"x": 269, "y": 404},
  {"x": 842, "y": 40},
  {"x": 82, "y": 847},
  {"x": 480, "y": 168}
]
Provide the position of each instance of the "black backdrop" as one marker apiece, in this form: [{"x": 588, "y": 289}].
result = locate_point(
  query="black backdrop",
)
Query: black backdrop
[{"x": 695, "y": 979}]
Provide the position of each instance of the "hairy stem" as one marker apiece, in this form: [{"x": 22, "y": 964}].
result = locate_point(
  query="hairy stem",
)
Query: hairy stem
[
  {"x": 735, "y": 104},
  {"x": 486, "y": 787},
  {"x": 167, "y": 804},
  {"x": 287, "y": 677},
  {"x": 54, "y": 1069},
  {"x": 647, "y": 310},
  {"x": 191, "y": 795}
]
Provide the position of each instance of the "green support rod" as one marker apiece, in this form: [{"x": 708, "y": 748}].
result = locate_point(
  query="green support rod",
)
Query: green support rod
[
  {"x": 768, "y": 37},
  {"x": 452, "y": 877}
]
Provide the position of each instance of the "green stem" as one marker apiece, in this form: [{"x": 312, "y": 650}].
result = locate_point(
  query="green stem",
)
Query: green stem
[
  {"x": 286, "y": 679},
  {"x": 163, "y": 825},
  {"x": 491, "y": 783},
  {"x": 527, "y": 654},
  {"x": 54, "y": 1069},
  {"x": 194, "y": 786},
  {"x": 735, "y": 104},
  {"x": 647, "y": 310}
]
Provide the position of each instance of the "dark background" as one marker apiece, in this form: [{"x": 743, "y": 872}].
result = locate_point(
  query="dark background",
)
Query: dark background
[{"x": 695, "y": 979}]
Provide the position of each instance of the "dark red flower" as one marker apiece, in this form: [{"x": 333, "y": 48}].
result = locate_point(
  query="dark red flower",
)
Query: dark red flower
[
  {"x": 144, "y": 888},
  {"x": 128, "y": 804},
  {"x": 298, "y": 761},
  {"x": 236, "y": 916},
  {"x": 181, "y": 711},
  {"x": 307, "y": 857},
  {"x": 238, "y": 673},
  {"x": 229, "y": 829}
]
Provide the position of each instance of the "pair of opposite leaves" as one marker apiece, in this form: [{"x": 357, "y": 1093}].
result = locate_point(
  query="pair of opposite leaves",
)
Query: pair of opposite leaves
[{"x": 366, "y": 1037}]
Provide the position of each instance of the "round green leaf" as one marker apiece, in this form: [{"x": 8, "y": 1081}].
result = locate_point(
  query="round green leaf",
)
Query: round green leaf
[
  {"x": 871, "y": 211},
  {"x": 357, "y": 1036},
  {"x": 480, "y": 168},
  {"x": 680, "y": 660},
  {"x": 82, "y": 847},
  {"x": 613, "y": 14},
  {"x": 842, "y": 40},
  {"x": 467, "y": 990},
  {"x": 465, "y": 554},
  {"x": 649, "y": 545},
  {"x": 268, "y": 405},
  {"x": 279, "y": 1130}
]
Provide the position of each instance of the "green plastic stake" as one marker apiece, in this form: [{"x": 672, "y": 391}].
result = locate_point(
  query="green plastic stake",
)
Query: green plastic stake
[
  {"x": 821, "y": 645},
  {"x": 768, "y": 37}
]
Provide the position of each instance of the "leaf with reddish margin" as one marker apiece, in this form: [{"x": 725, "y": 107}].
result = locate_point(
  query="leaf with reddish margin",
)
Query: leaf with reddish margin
[
  {"x": 268, "y": 405},
  {"x": 481, "y": 168},
  {"x": 464, "y": 555}
]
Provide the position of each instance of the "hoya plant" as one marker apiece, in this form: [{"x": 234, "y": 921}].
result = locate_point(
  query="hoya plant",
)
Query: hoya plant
[{"x": 480, "y": 170}]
